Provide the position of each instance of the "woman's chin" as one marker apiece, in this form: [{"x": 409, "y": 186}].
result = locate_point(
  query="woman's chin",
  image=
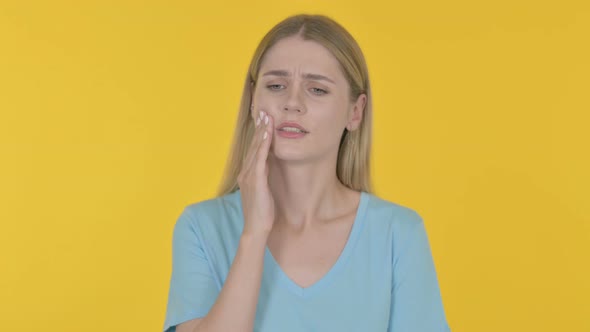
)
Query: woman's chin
[{"x": 283, "y": 154}]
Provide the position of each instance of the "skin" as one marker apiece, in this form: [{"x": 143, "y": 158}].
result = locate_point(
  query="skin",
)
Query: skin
[{"x": 302, "y": 177}]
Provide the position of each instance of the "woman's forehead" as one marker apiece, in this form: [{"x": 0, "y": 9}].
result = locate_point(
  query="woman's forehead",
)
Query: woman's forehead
[{"x": 295, "y": 56}]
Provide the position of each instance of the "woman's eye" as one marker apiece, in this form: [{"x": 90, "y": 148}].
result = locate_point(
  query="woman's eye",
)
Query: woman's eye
[
  {"x": 277, "y": 87},
  {"x": 274, "y": 86},
  {"x": 319, "y": 91}
]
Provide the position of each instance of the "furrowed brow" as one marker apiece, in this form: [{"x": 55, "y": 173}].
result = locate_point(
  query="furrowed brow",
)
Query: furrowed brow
[
  {"x": 309, "y": 76},
  {"x": 317, "y": 77}
]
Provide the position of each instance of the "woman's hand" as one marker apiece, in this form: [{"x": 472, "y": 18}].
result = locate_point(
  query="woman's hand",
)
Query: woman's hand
[{"x": 257, "y": 202}]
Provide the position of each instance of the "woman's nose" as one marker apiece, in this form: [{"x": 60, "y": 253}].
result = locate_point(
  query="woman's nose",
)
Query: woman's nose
[{"x": 294, "y": 101}]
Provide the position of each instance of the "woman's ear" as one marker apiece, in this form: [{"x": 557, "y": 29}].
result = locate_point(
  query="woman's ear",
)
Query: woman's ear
[{"x": 355, "y": 117}]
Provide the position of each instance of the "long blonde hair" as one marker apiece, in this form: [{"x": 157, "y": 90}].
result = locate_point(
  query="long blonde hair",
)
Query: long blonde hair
[{"x": 353, "y": 165}]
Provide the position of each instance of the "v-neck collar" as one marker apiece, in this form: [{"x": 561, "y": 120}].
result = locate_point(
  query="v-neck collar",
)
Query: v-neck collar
[{"x": 305, "y": 292}]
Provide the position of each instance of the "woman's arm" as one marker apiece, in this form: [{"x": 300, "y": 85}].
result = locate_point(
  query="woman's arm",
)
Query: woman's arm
[{"x": 235, "y": 307}]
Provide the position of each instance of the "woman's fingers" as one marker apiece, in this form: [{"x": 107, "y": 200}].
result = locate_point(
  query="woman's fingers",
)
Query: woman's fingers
[
  {"x": 267, "y": 137},
  {"x": 257, "y": 139}
]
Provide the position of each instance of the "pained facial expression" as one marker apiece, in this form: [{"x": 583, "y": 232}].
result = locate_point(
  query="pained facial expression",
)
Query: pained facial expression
[{"x": 301, "y": 81}]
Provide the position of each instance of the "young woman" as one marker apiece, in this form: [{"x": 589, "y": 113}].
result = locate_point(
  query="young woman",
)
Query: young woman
[{"x": 295, "y": 240}]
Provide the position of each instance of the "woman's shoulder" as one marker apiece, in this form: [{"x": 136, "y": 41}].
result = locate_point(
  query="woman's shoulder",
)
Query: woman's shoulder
[
  {"x": 220, "y": 211},
  {"x": 390, "y": 212},
  {"x": 392, "y": 222},
  {"x": 214, "y": 204}
]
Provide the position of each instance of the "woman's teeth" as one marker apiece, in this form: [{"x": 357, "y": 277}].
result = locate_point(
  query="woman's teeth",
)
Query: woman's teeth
[{"x": 296, "y": 130}]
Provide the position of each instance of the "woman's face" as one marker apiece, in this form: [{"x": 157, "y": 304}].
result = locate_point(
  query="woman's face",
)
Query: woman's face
[{"x": 300, "y": 81}]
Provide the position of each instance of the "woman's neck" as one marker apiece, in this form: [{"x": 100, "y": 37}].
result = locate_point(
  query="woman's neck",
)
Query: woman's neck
[{"x": 306, "y": 193}]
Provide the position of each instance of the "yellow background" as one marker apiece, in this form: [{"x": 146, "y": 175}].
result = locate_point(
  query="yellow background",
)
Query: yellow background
[{"x": 117, "y": 114}]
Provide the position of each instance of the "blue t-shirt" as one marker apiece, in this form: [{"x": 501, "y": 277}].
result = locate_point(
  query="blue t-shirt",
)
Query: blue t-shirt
[{"x": 384, "y": 279}]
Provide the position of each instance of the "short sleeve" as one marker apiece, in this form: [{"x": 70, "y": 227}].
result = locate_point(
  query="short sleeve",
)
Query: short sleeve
[
  {"x": 416, "y": 303},
  {"x": 193, "y": 289}
]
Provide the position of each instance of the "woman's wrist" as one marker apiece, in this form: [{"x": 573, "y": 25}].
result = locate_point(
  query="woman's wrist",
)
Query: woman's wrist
[{"x": 255, "y": 238}]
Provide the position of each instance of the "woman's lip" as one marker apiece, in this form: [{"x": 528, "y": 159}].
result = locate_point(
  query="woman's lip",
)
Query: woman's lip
[
  {"x": 298, "y": 127},
  {"x": 291, "y": 124},
  {"x": 290, "y": 134}
]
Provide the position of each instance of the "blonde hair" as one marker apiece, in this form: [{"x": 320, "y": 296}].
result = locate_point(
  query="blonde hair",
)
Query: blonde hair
[{"x": 353, "y": 164}]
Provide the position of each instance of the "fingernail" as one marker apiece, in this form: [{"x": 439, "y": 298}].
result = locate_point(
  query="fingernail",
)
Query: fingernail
[
  {"x": 261, "y": 114},
  {"x": 265, "y": 134},
  {"x": 266, "y": 119},
  {"x": 257, "y": 122}
]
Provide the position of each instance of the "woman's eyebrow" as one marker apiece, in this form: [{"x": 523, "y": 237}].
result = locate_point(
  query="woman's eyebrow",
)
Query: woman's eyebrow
[{"x": 284, "y": 73}]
